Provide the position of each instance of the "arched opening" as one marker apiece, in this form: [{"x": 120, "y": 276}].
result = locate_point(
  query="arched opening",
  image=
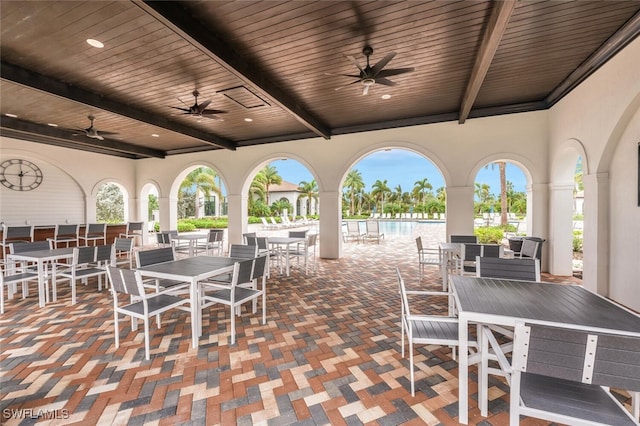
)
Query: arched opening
[{"x": 111, "y": 203}]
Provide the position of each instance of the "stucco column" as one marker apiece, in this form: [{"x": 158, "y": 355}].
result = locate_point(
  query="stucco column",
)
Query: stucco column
[
  {"x": 168, "y": 213},
  {"x": 560, "y": 244},
  {"x": 238, "y": 217},
  {"x": 90, "y": 209},
  {"x": 460, "y": 210},
  {"x": 596, "y": 233},
  {"x": 330, "y": 224}
]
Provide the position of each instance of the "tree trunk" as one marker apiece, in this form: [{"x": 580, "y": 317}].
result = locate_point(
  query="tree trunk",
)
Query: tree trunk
[{"x": 503, "y": 192}]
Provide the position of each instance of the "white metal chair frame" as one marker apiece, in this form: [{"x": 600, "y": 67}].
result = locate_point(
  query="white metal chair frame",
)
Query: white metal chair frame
[
  {"x": 134, "y": 230},
  {"x": 94, "y": 232},
  {"x": 141, "y": 305}
]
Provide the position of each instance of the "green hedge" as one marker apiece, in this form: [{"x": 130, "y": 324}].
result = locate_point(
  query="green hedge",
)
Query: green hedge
[{"x": 490, "y": 235}]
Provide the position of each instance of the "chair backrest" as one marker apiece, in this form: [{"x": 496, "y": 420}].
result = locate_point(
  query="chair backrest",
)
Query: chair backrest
[
  {"x": 215, "y": 235},
  {"x": 259, "y": 267},
  {"x": 123, "y": 244},
  {"x": 297, "y": 234},
  {"x": 243, "y": 251},
  {"x": 578, "y": 355},
  {"x": 153, "y": 256},
  {"x": 105, "y": 254},
  {"x": 247, "y": 235},
  {"x": 471, "y": 239},
  {"x": 353, "y": 227},
  {"x": 67, "y": 230},
  {"x": 95, "y": 229},
  {"x": 263, "y": 243},
  {"x": 492, "y": 250},
  {"x": 469, "y": 251},
  {"x": 419, "y": 244},
  {"x": 126, "y": 281},
  {"x": 513, "y": 269},
  {"x": 250, "y": 240},
  {"x": 242, "y": 272},
  {"x": 529, "y": 248},
  {"x": 84, "y": 255},
  {"x": 163, "y": 238},
  {"x": 21, "y": 233},
  {"x": 134, "y": 227},
  {"x": 312, "y": 239},
  {"x": 372, "y": 226},
  {"x": 25, "y": 247},
  {"x": 403, "y": 295}
]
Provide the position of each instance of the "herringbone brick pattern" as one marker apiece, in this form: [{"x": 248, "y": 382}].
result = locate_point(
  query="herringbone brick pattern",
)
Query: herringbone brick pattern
[{"x": 329, "y": 354}]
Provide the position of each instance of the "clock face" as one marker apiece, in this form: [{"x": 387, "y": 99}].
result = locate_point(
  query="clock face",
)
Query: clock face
[{"x": 20, "y": 175}]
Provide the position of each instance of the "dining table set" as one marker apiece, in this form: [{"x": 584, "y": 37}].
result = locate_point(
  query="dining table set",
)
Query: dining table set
[{"x": 488, "y": 309}]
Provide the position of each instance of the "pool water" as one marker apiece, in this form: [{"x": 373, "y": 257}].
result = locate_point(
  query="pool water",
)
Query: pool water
[{"x": 396, "y": 227}]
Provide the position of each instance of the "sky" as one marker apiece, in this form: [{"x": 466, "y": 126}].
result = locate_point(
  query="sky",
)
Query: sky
[{"x": 404, "y": 168}]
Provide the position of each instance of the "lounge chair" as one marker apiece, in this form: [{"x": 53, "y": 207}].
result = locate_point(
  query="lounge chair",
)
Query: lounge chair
[{"x": 373, "y": 231}]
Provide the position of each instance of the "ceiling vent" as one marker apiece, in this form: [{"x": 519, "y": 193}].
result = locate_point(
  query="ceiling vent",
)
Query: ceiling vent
[{"x": 244, "y": 97}]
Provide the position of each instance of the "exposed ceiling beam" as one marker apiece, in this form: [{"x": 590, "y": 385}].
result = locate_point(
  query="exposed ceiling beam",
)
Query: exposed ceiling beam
[
  {"x": 500, "y": 14},
  {"x": 34, "y": 132},
  {"x": 175, "y": 16},
  {"x": 49, "y": 85},
  {"x": 625, "y": 35}
]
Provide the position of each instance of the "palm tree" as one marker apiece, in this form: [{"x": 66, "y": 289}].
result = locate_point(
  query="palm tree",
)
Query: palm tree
[
  {"x": 378, "y": 190},
  {"x": 202, "y": 179},
  {"x": 309, "y": 190},
  {"x": 354, "y": 183},
  {"x": 271, "y": 177},
  {"x": 420, "y": 189}
]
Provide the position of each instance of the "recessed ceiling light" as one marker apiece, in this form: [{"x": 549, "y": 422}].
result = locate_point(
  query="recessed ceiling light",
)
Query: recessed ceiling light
[
  {"x": 95, "y": 43},
  {"x": 11, "y": 115},
  {"x": 52, "y": 124},
  {"x": 248, "y": 120},
  {"x": 386, "y": 96},
  {"x": 155, "y": 135}
]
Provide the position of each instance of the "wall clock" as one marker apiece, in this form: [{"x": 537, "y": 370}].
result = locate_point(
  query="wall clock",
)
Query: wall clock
[{"x": 20, "y": 175}]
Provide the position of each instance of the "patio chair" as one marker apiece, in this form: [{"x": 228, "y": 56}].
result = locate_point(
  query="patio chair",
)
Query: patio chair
[
  {"x": 94, "y": 232},
  {"x": 140, "y": 305},
  {"x": 163, "y": 239},
  {"x": 22, "y": 247},
  {"x": 468, "y": 254},
  {"x": 563, "y": 375},
  {"x": 492, "y": 250},
  {"x": 87, "y": 262},
  {"x": 11, "y": 275},
  {"x": 306, "y": 252},
  {"x": 353, "y": 231},
  {"x": 529, "y": 248},
  {"x": 512, "y": 269},
  {"x": 234, "y": 295},
  {"x": 247, "y": 235},
  {"x": 65, "y": 234},
  {"x": 134, "y": 230},
  {"x": 425, "y": 329},
  {"x": 124, "y": 251},
  {"x": 214, "y": 243},
  {"x": 160, "y": 255},
  {"x": 427, "y": 256},
  {"x": 264, "y": 250},
  {"x": 236, "y": 251},
  {"x": 266, "y": 225},
  {"x": 16, "y": 234},
  {"x": 373, "y": 231}
]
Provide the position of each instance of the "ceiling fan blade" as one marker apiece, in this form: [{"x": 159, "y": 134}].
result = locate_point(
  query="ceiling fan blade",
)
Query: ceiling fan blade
[
  {"x": 365, "y": 90},
  {"x": 186, "y": 110},
  {"x": 338, "y": 88},
  {"x": 384, "y": 81},
  {"x": 106, "y": 133},
  {"x": 395, "y": 71},
  {"x": 203, "y": 105},
  {"x": 342, "y": 75},
  {"x": 213, "y": 111},
  {"x": 381, "y": 63},
  {"x": 352, "y": 59}
]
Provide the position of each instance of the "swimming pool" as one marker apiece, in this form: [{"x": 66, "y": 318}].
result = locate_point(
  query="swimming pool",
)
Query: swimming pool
[{"x": 398, "y": 227}]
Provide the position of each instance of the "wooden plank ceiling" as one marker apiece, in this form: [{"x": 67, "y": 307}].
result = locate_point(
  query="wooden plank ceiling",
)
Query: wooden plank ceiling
[{"x": 279, "y": 63}]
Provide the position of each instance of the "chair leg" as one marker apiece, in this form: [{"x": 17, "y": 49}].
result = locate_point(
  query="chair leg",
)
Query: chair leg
[
  {"x": 116, "y": 330},
  {"x": 233, "y": 326},
  {"x": 413, "y": 390},
  {"x": 146, "y": 338}
]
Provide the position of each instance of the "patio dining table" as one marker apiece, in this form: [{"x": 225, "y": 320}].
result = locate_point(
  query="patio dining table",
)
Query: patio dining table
[
  {"x": 191, "y": 239},
  {"x": 503, "y": 302},
  {"x": 282, "y": 245},
  {"x": 41, "y": 258},
  {"x": 191, "y": 270}
]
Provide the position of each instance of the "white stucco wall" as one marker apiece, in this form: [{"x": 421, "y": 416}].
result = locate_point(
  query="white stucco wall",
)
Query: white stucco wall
[{"x": 600, "y": 120}]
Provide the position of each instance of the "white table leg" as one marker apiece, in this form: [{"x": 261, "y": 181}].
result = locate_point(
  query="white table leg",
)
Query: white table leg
[
  {"x": 463, "y": 373},
  {"x": 196, "y": 313},
  {"x": 483, "y": 376},
  {"x": 41, "y": 284}
]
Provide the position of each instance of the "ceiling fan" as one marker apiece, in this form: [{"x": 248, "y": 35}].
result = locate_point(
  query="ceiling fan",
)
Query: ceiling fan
[
  {"x": 200, "y": 110},
  {"x": 370, "y": 75},
  {"x": 92, "y": 132}
]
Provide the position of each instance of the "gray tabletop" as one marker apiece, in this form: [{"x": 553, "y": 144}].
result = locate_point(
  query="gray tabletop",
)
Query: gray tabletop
[
  {"x": 544, "y": 302},
  {"x": 190, "y": 266}
]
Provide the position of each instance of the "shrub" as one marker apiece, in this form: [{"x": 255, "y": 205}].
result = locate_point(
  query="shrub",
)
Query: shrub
[
  {"x": 577, "y": 241},
  {"x": 490, "y": 235}
]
